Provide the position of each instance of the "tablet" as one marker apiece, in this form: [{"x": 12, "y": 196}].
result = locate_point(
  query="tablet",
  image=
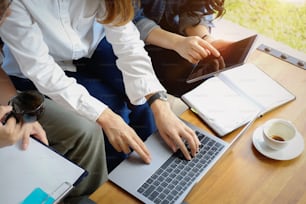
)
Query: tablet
[{"x": 232, "y": 56}]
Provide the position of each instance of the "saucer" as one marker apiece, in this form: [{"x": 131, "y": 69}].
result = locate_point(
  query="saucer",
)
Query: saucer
[{"x": 291, "y": 151}]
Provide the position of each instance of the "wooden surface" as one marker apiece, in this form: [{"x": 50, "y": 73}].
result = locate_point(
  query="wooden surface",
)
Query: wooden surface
[{"x": 243, "y": 175}]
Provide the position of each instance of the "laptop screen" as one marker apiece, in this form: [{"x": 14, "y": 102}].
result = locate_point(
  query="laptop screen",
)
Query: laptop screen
[{"x": 232, "y": 55}]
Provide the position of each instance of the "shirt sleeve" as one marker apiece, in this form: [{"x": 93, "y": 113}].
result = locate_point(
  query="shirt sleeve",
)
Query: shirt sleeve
[
  {"x": 32, "y": 55},
  {"x": 134, "y": 62},
  {"x": 143, "y": 24}
]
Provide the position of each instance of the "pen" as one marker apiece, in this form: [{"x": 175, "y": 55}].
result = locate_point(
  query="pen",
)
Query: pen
[{"x": 246, "y": 127}]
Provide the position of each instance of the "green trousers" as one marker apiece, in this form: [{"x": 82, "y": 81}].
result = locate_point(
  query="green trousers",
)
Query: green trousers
[{"x": 80, "y": 140}]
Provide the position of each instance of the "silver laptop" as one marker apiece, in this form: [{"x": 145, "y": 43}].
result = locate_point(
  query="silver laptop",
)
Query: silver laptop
[{"x": 169, "y": 177}]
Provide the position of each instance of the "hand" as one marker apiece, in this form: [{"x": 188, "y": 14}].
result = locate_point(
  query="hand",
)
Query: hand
[
  {"x": 121, "y": 136},
  {"x": 173, "y": 130},
  {"x": 34, "y": 129},
  {"x": 209, "y": 65},
  {"x": 194, "y": 49},
  {"x": 221, "y": 44},
  {"x": 11, "y": 131}
]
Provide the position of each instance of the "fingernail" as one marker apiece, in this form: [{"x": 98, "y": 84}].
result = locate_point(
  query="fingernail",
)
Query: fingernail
[{"x": 24, "y": 146}]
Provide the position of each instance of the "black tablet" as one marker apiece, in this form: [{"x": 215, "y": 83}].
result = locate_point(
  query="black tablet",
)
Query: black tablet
[{"x": 232, "y": 55}]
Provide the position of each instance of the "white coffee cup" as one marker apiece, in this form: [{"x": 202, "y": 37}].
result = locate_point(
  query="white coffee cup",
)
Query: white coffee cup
[{"x": 277, "y": 133}]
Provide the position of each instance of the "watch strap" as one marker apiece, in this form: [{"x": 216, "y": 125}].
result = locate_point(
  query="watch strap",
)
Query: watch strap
[{"x": 162, "y": 95}]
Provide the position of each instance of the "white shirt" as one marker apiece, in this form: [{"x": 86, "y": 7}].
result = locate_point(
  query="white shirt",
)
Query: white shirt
[{"x": 44, "y": 36}]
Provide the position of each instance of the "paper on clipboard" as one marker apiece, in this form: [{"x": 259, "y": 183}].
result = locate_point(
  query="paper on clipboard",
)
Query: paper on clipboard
[{"x": 23, "y": 171}]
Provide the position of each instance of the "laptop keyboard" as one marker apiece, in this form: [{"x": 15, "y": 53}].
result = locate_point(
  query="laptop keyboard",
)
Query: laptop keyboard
[{"x": 177, "y": 174}]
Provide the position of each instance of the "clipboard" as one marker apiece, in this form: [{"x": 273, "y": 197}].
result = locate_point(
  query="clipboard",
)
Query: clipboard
[{"x": 36, "y": 175}]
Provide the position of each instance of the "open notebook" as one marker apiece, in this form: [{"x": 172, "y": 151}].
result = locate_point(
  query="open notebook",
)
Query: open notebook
[
  {"x": 36, "y": 175},
  {"x": 229, "y": 99}
]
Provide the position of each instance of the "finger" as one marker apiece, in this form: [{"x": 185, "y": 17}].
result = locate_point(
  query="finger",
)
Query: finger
[
  {"x": 14, "y": 129},
  {"x": 221, "y": 62},
  {"x": 194, "y": 57},
  {"x": 183, "y": 148},
  {"x": 5, "y": 108},
  {"x": 216, "y": 64},
  {"x": 26, "y": 137},
  {"x": 42, "y": 138},
  {"x": 210, "y": 47},
  {"x": 170, "y": 142},
  {"x": 39, "y": 133},
  {"x": 141, "y": 149},
  {"x": 115, "y": 145},
  {"x": 200, "y": 52},
  {"x": 5, "y": 113},
  {"x": 193, "y": 141},
  {"x": 125, "y": 147},
  {"x": 11, "y": 123}
]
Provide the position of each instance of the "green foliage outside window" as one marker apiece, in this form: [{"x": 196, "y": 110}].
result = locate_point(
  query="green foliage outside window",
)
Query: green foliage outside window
[{"x": 281, "y": 20}]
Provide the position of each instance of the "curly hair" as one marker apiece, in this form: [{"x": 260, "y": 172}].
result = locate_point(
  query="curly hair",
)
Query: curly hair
[
  {"x": 215, "y": 6},
  {"x": 210, "y": 7}
]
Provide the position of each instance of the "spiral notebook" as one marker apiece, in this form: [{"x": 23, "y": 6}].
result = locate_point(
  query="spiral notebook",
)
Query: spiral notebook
[
  {"x": 36, "y": 175},
  {"x": 228, "y": 100}
]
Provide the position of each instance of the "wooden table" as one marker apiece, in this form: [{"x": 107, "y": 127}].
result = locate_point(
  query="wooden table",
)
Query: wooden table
[{"x": 243, "y": 175}]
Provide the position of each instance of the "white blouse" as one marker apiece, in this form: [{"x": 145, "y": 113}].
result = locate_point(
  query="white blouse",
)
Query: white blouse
[{"x": 43, "y": 37}]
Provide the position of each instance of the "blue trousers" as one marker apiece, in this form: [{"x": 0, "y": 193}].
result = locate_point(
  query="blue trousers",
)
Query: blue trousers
[{"x": 103, "y": 80}]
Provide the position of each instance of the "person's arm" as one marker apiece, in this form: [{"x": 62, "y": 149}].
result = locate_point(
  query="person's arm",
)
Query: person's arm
[
  {"x": 199, "y": 30},
  {"x": 174, "y": 132},
  {"x": 37, "y": 59},
  {"x": 202, "y": 31},
  {"x": 140, "y": 83},
  {"x": 191, "y": 48}
]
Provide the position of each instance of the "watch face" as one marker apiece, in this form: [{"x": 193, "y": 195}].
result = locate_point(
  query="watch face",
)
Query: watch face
[{"x": 163, "y": 96}]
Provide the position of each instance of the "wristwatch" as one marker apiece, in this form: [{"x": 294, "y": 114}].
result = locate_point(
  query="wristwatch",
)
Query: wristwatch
[{"x": 161, "y": 95}]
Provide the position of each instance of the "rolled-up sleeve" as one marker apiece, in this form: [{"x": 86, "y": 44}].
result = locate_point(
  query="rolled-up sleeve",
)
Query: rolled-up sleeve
[
  {"x": 134, "y": 62},
  {"x": 143, "y": 24}
]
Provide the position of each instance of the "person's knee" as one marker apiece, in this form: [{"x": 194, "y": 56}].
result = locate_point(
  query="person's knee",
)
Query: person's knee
[
  {"x": 65, "y": 129},
  {"x": 88, "y": 130}
]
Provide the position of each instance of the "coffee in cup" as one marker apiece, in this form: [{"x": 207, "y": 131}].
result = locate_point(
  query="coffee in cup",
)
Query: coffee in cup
[{"x": 277, "y": 133}]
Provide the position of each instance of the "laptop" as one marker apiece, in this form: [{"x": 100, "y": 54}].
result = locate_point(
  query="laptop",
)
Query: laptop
[
  {"x": 232, "y": 56},
  {"x": 169, "y": 177}
]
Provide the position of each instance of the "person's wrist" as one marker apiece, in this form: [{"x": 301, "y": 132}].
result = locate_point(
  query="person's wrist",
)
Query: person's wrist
[
  {"x": 159, "y": 108},
  {"x": 160, "y": 95}
]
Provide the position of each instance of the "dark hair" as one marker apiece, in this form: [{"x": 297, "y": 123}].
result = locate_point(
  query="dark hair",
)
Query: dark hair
[
  {"x": 210, "y": 7},
  {"x": 215, "y": 6}
]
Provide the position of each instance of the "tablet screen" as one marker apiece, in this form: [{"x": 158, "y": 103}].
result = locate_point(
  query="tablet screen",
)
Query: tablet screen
[{"x": 231, "y": 56}]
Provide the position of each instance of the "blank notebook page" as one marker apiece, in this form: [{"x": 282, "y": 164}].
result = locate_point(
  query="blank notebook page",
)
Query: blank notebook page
[{"x": 258, "y": 86}]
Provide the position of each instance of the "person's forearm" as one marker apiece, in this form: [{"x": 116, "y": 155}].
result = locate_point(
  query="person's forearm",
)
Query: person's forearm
[
  {"x": 7, "y": 89},
  {"x": 163, "y": 38},
  {"x": 199, "y": 30}
]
